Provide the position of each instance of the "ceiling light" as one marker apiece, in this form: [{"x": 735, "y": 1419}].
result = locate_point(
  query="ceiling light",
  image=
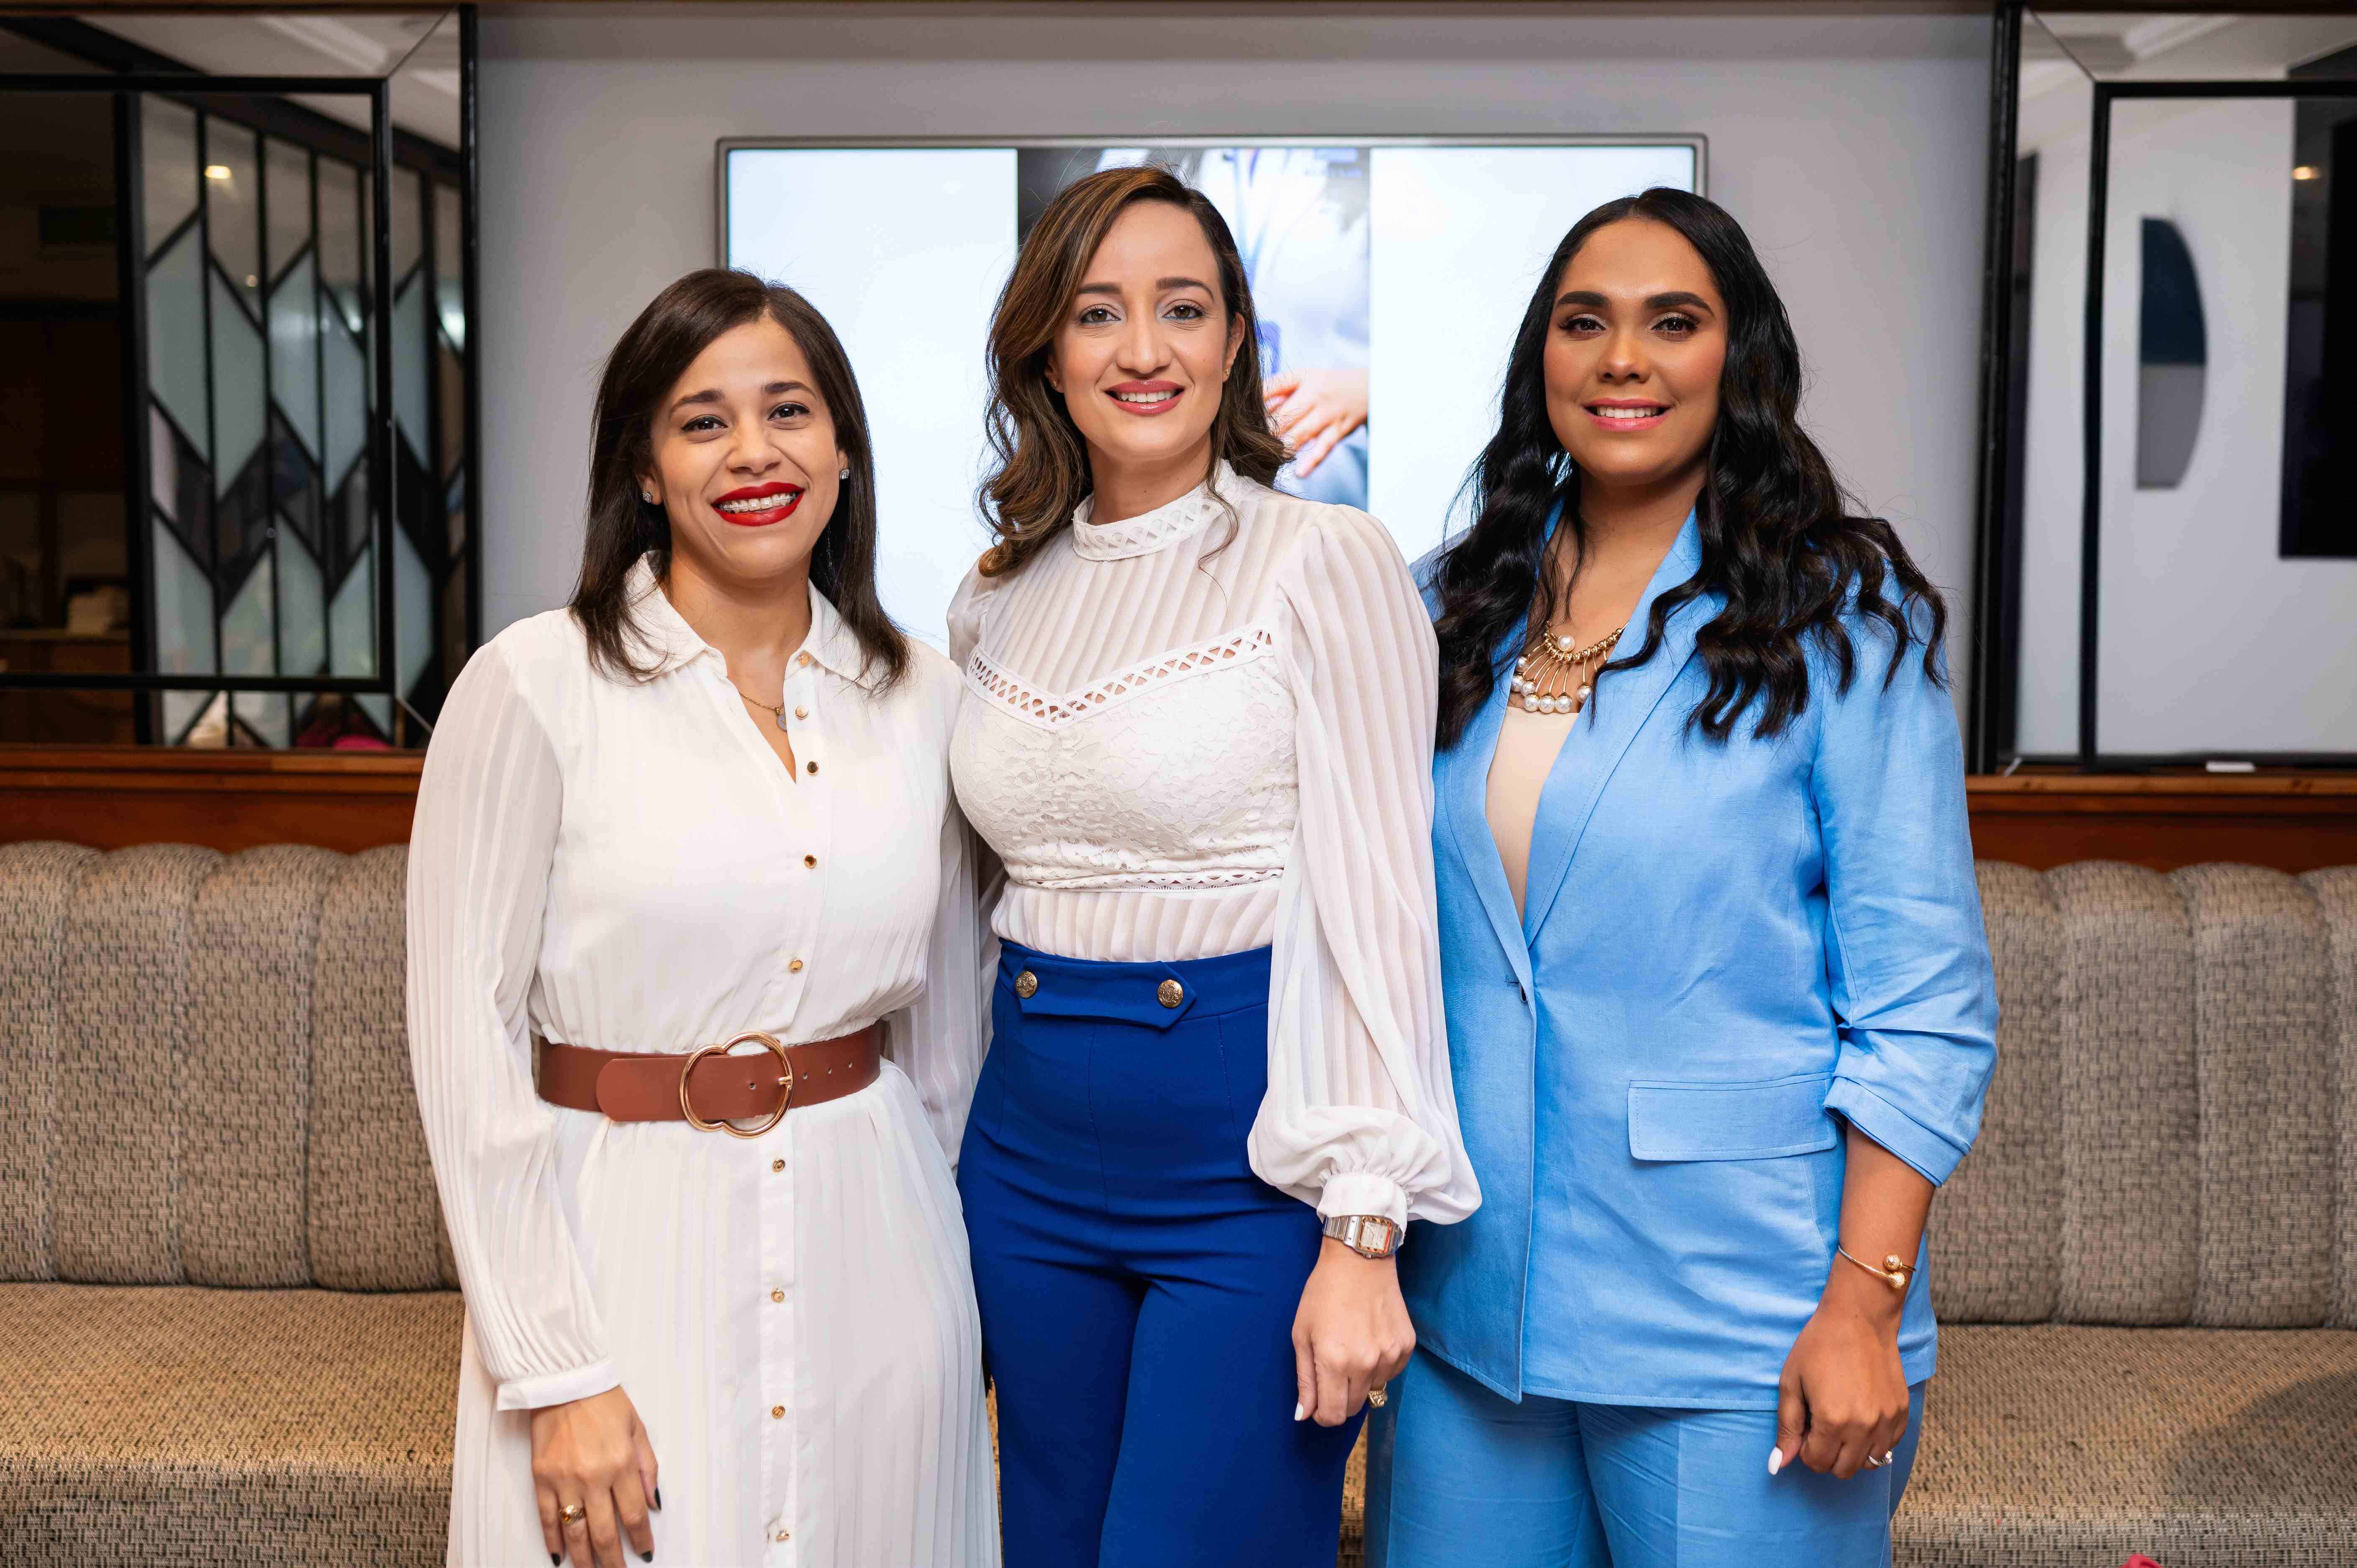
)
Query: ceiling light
[
  {"x": 217, "y": 171},
  {"x": 2306, "y": 171}
]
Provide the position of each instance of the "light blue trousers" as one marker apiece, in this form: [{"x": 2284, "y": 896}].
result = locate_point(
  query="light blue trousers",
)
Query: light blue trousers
[{"x": 1460, "y": 1478}]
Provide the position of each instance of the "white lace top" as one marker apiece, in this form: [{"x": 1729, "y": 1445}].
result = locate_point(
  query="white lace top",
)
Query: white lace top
[{"x": 1208, "y": 729}]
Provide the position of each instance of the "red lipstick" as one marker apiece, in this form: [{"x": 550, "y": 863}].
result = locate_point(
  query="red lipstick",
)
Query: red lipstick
[{"x": 758, "y": 505}]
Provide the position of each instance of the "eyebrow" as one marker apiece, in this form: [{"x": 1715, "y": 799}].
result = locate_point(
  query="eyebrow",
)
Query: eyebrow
[
  {"x": 1163, "y": 286},
  {"x": 714, "y": 394},
  {"x": 1675, "y": 299}
]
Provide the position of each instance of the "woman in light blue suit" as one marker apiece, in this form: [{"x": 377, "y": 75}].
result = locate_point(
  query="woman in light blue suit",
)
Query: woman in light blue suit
[{"x": 1720, "y": 1010}]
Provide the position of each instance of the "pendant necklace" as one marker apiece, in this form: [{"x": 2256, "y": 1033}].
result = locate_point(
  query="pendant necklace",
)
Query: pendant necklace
[
  {"x": 776, "y": 710},
  {"x": 1553, "y": 676}
]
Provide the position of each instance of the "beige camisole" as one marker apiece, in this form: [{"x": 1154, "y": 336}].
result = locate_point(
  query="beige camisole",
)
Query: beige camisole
[{"x": 1528, "y": 744}]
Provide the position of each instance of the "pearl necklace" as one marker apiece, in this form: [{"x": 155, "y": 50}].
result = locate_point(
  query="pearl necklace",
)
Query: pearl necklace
[{"x": 1550, "y": 659}]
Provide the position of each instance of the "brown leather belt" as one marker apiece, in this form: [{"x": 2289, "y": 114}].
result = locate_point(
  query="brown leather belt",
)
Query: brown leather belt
[{"x": 711, "y": 1089}]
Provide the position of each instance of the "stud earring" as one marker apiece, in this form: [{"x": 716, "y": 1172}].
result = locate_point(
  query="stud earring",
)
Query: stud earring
[
  {"x": 844, "y": 475},
  {"x": 648, "y": 497}
]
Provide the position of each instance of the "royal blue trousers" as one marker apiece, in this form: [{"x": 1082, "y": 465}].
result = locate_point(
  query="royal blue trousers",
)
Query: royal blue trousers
[
  {"x": 1459, "y": 1476},
  {"x": 1138, "y": 1283}
]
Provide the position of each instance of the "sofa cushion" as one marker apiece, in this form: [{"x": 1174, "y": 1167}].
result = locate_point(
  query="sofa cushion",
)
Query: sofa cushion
[
  {"x": 177, "y": 1425},
  {"x": 2052, "y": 1444}
]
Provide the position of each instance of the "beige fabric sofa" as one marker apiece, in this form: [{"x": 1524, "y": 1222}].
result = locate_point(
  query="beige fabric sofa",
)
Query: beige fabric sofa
[{"x": 229, "y": 1337}]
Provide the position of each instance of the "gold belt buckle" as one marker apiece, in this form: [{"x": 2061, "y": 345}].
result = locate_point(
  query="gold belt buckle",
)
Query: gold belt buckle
[{"x": 785, "y": 1082}]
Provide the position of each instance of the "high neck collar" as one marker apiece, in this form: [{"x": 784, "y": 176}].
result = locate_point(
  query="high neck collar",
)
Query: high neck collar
[{"x": 1148, "y": 531}]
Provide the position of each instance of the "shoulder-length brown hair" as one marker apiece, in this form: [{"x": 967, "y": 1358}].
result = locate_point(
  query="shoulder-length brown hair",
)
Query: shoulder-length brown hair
[
  {"x": 1041, "y": 469},
  {"x": 679, "y": 323}
]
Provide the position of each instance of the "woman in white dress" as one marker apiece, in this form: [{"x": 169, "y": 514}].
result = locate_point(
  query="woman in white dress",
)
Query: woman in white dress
[
  {"x": 712, "y": 1318},
  {"x": 1198, "y": 733}
]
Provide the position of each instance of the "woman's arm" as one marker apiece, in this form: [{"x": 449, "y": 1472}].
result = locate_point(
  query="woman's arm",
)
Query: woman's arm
[
  {"x": 1843, "y": 1400},
  {"x": 939, "y": 1040},
  {"x": 1361, "y": 1116},
  {"x": 1907, "y": 968},
  {"x": 487, "y": 810}
]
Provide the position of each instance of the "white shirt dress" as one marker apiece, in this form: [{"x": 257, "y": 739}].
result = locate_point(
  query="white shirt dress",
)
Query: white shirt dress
[{"x": 629, "y": 866}]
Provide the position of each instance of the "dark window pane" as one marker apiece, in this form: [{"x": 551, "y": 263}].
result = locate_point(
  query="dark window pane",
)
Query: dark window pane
[
  {"x": 2319, "y": 467},
  {"x": 180, "y": 483},
  {"x": 294, "y": 483},
  {"x": 241, "y": 520}
]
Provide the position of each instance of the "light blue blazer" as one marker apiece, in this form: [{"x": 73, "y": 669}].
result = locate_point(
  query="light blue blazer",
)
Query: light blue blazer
[{"x": 1728, "y": 950}]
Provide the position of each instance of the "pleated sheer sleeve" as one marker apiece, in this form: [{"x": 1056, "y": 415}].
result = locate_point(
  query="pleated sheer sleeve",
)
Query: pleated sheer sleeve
[
  {"x": 487, "y": 810},
  {"x": 938, "y": 1039},
  {"x": 1361, "y": 1117}
]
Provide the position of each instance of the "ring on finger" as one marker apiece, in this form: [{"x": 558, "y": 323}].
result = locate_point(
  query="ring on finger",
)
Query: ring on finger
[
  {"x": 572, "y": 1513},
  {"x": 1377, "y": 1395}
]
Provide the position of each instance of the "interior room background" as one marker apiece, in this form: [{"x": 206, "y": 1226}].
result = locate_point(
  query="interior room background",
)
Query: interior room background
[
  {"x": 2215, "y": 628},
  {"x": 1851, "y": 146}
]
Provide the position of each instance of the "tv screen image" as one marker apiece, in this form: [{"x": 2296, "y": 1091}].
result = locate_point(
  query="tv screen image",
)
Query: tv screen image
[{"x": 1389, "y": 277}]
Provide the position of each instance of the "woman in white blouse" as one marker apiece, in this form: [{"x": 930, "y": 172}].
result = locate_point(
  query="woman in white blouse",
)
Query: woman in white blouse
[
  {"x": 1198, "y": 734},
  {"x": 692, "y": 838}
]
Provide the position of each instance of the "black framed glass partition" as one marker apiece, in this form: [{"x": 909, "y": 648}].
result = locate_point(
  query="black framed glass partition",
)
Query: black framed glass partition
[
  {"x": 2169, "y": 551},
  {"x": 294, "y": 289}
]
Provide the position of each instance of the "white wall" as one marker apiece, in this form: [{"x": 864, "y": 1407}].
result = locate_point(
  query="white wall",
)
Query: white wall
[
  {"x": 2207, "y": 640},
  {"x": 1850, "y": 145}
]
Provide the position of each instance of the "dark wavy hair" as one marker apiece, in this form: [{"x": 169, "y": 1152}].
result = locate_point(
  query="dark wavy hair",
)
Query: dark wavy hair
[
  {"x": 1040, "y": 470},
  {"x": 656, "y": 350},
  {"x": 1783, "y": 543}
]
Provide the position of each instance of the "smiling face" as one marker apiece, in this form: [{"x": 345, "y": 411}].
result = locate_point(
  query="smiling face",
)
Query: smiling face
[
  {"x": 745, "y": 460},
  {"x": 1145, "y": 347},
  {"x": 1633, "y": 355}
]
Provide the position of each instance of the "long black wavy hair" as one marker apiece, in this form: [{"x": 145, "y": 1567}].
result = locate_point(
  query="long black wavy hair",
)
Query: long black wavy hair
[
  {"x": 656, "y": 350},
  {"x": 1782, "y": 541}
]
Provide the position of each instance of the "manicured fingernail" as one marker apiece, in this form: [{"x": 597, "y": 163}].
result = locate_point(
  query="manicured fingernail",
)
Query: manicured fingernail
[
  {"x": 1299, "y": 1413},
  {"x": 1775, "y": 1460},
  {"x": 646, "y": 1556},
  {"x": 553, "y": 1557},
  {"x": 658, "y": 1499}
]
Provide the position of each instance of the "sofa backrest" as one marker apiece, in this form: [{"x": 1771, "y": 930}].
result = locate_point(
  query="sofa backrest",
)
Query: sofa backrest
[
  {"x": 2169, "y": 1139},
  {"x": 203, "y": 1077}
]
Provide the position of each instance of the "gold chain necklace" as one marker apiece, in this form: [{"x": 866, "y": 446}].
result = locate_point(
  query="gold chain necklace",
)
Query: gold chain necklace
[
  {"x": 1552, "y": 676},
  {"x": 778, "y": 709}
]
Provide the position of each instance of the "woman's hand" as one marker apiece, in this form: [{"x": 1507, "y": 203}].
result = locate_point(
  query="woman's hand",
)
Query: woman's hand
[
  {"x": 594, "y": 1453},
  {"x": 1314, "y": 411},
  {"x": 1352, "y": 1333},
  {"x": 1841, "y": 1406}
]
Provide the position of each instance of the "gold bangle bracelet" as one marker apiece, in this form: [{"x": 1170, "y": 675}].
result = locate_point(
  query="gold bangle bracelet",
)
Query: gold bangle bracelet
[{"x": 1896, "y": 1272}]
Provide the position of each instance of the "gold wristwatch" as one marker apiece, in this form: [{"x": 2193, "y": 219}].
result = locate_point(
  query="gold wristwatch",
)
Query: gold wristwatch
[{"x": 1369, "y": 1235}]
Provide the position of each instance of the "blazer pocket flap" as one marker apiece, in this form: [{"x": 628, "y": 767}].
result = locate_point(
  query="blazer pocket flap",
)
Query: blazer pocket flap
[{"x": 1754, "y": 1121}]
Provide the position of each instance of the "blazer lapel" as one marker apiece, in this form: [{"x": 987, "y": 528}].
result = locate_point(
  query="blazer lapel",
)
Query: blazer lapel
[
  {"x": 1462, "y": 793},
  {"x": 1618, "y": 712}
]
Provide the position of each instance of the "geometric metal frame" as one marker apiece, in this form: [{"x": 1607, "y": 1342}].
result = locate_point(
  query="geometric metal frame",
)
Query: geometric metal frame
[
  {"x": 134, "y": 73},
  {"x": 179, "y": 85},
  {"x": 1997, "y": 646}
]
